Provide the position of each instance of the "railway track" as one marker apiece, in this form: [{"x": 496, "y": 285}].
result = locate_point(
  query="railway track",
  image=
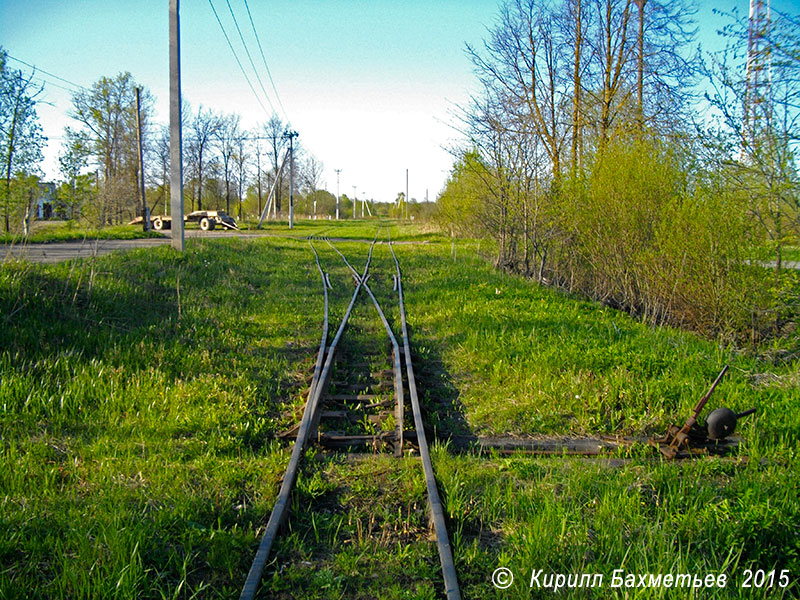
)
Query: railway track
[{"x": 359, "y": 395}]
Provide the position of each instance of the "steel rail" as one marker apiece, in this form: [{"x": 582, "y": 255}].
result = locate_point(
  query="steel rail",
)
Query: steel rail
[
  {"x": 434, "y": 500},
  {"x": 398, "y": 371},
  {"x": 321, "y": 353},
  {"x": 280, "y": 508}
]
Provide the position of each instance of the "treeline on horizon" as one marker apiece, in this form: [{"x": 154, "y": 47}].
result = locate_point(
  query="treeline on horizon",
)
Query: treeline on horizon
[
  {"x": 607, "y": 156},
  {"x": 226, "y": 167}
]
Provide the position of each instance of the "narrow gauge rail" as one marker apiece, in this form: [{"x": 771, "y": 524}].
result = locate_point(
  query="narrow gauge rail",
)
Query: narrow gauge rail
[{"x": 311, "y": 416}]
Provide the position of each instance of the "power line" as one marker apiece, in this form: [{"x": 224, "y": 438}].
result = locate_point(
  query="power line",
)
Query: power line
[
  {"x": 77, "y": 85},
  {"x": 261, "y": 50},
  {"x": 47, "y": 82},
  {"x": 250, "y": 58},
  {"x": 227, "y": 39}
]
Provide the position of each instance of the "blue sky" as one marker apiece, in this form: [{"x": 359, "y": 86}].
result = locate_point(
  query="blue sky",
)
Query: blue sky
[{"x": 370, "y": 85}]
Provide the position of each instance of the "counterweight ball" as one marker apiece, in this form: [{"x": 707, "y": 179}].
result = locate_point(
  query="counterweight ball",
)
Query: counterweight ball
[{"x": 722, "y": 422}]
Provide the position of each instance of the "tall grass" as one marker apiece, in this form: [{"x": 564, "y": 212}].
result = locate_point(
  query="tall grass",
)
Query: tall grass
[{"x": 137, "y": 451}]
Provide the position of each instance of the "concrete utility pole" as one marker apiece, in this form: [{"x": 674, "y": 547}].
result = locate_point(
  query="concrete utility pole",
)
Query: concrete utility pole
[
  {"x": 258, "y": 173},
  {"x": 175, "y": 139},
  {"x": 354, "y": 200},
  {"x": 291, "y": 135},
  {"x": 145, "y": 212},
  {"x": 337, "y": 192},
  {"x": 406, "y": 211}
]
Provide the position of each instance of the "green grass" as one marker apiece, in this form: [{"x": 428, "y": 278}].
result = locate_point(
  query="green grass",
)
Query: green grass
[
  {"x": 138, "y": 460},
  {"x": 527, "y": 359},
  {"x": 65, "y": 231},
  {"x": 576, "y": 516},
  {"x": 359, "y": 229}
]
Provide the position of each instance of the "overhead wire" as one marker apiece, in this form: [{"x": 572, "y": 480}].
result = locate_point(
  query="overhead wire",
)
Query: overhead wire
[
  {"x": 227, "y": 39},
  {"x": 72, "y": 83},
  {"x": 47, "y": 82},
  {"x": 261, "y": 50},
  {"x": 249, "y": 57}
]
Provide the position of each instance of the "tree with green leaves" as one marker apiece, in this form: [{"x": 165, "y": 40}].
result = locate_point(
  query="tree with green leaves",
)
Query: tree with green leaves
[
  {"x": 73, "y": 158},
  {"x": 107, "y": 114},
  {"x": 21, "y": 136}
]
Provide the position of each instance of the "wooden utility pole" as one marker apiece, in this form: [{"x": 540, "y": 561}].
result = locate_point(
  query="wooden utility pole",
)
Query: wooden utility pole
[
  {"x": 175, "y": 135},
  {"x": 145, "y": 212}
]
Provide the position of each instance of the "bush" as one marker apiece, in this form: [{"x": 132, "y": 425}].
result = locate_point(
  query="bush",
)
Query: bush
[{"x": 645, "y": 236}]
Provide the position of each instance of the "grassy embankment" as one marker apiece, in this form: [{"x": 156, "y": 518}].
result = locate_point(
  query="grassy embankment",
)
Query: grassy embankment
[{"x": 140, "y": 393}]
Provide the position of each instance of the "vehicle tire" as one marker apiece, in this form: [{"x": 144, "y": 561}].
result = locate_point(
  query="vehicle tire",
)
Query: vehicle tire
[
  {"x": 205, "y": 223},
  {"x": 211, "y": 224},
  {"x": 158, "y": 224}
]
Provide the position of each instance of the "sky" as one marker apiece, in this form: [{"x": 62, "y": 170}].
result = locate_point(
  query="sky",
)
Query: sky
[{"x": 371, "y": 86}]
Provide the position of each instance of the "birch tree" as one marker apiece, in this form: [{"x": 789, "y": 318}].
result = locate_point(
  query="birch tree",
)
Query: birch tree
[{"x": 20, "y": 133}]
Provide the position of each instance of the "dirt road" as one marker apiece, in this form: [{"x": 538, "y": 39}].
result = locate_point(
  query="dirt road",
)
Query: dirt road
[{"x": 59, "y": 251}]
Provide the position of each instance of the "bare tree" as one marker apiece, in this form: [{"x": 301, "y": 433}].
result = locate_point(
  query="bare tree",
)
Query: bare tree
[
  {"x": 273, "y": 131},
  {"x": 612, "y": 53},
  {"x": 312, "y": 176},
  {"x": 525, "y": 70},
  {"x": 575, "y": 34},
  {"x": 203, "y": 129},
  {"x": 760, "y": 125},
  {"x": 666, "y": 68},
  {"x": 227, "y": 134},
  {"x": 259, "y": 172},
  {"x": 160, "y": 151},
  {"x": 240, "y": 159}
]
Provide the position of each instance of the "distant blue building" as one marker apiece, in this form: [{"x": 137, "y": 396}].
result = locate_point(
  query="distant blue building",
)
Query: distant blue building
[{"x": 46, "y": 201}]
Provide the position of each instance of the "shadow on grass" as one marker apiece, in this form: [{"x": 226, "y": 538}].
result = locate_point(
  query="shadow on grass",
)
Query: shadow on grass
[
  {"x": 49, "y": 312},
  {"x": 110, "y": 333},
  {"x": 442, "y": 411}
]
